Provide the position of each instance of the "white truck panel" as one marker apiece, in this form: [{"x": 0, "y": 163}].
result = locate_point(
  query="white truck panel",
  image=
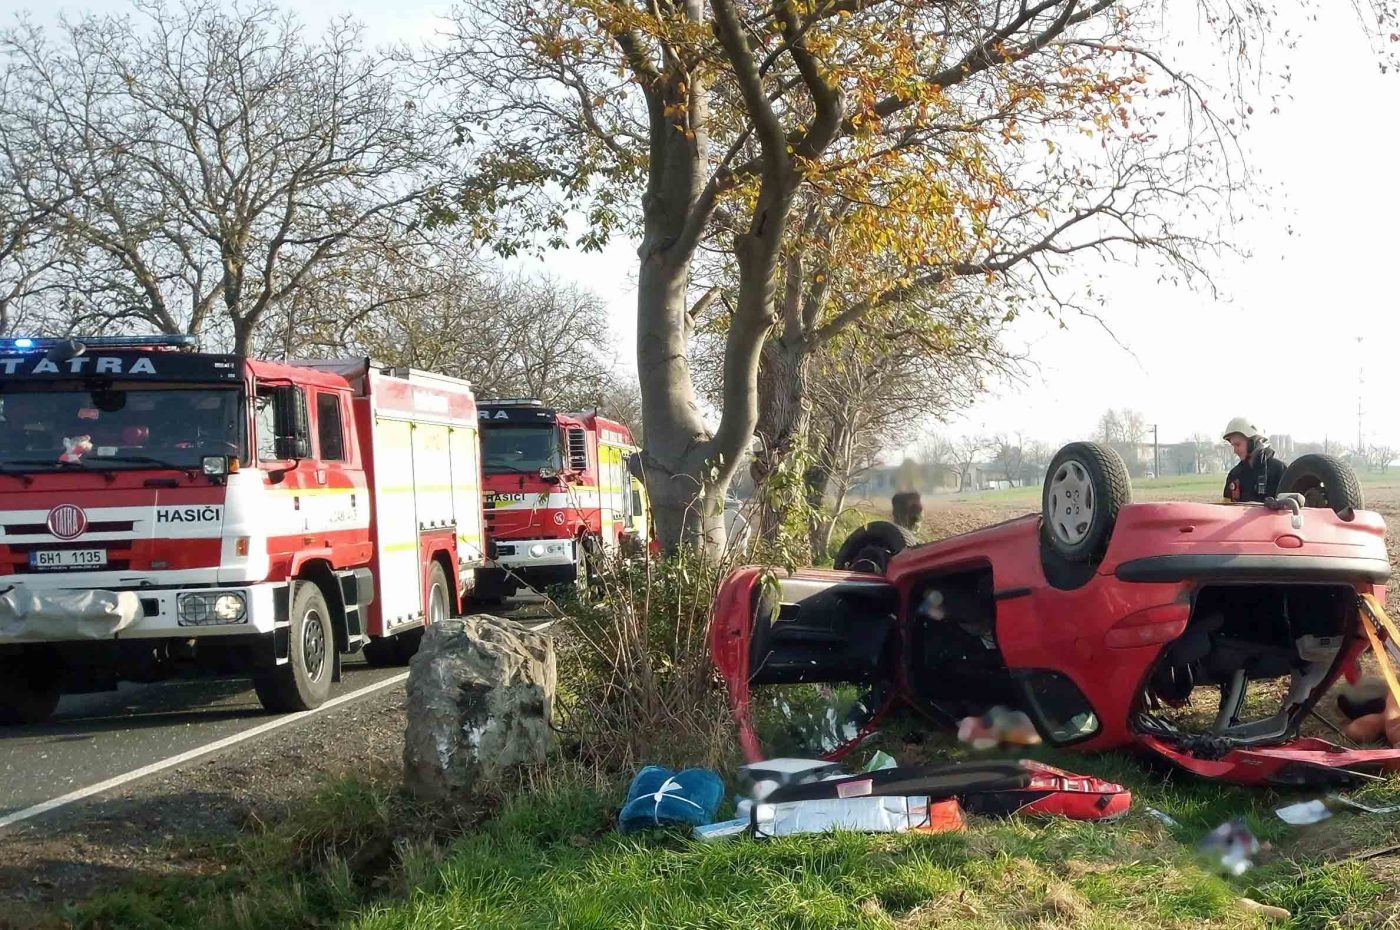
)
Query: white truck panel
[{"x": 396, "y": 527}]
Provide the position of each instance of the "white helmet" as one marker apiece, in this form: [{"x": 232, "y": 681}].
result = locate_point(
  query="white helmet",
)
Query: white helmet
[{"x": 1244, "y": 426}]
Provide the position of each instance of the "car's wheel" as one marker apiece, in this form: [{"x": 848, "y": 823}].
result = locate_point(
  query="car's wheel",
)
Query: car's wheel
[
  {"x": 1085, "y": 487},
  {"x": 29, "y": 690},
  {"x": 304, "y": 682},
  {"x": 870, "y": 547},
  {"x": 1324, "y": 481}
]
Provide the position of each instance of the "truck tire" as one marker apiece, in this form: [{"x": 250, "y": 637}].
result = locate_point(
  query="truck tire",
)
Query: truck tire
[
  {"x": 304, "y": 682},
  {"x": 1324, "y": 481},
  {"x": 29, "y": 690},
  {"x": 1085, "y": 487},
  {"x": 870, "y": 548}
]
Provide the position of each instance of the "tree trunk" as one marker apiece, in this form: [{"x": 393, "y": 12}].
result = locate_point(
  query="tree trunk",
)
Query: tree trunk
[
  {"x": 783, "y": 415},
  {"x": 244, "y": 330},
  {"x": 820, "y": 519},
  {"x": 687, "y": 499}
]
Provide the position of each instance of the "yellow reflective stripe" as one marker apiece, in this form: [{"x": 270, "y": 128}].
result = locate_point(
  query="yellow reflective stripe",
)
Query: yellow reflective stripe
[{"x": 429, "y": 489}]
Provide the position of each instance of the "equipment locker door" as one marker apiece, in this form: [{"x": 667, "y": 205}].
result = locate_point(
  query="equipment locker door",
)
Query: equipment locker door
[
  {"x": 400, "y": 582},
  {"x": 466, "y": 495},
  {"x": 432, "y": 476}
]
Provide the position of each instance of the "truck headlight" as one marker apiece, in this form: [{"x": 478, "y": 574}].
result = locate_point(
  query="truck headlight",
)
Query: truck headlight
[
  {"x": 537, "y": 551},
  {"x": 212, "y": 609}
]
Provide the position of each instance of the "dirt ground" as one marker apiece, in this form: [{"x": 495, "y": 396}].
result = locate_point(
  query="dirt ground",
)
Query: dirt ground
[{"x": 171, "y": 823}]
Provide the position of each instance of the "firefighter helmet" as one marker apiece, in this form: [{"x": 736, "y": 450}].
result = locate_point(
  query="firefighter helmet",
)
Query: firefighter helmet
[{"x": 1244, "y": 426}]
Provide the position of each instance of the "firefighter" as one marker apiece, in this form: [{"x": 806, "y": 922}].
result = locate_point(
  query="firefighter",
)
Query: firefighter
[{"x": 1255, "y": 478}]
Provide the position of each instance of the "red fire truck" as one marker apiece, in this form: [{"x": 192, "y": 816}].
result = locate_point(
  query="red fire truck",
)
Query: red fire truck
[
  {"x": 561, "y": 492},
  {"x": 164, "y": 510}
]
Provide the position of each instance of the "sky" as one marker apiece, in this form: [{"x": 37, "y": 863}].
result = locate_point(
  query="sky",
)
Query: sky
[{"x": 1278, "y": 343}]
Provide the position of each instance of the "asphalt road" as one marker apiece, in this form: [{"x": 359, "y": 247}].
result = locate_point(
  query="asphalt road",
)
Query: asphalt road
[{"x": 94, "y": 737}]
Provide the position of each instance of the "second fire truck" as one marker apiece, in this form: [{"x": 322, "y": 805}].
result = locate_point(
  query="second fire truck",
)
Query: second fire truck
[{"x": 561, "y": 493}]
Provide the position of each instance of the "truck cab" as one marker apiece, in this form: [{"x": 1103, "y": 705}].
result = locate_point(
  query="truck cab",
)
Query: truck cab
[{"x": 562, "y": 493}]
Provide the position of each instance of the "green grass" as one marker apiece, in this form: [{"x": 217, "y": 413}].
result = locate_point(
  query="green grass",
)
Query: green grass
[{"x": 351, "y": 860}]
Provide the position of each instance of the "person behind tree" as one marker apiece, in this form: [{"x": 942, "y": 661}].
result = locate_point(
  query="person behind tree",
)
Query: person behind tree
[{"x": 907, "y": 508}]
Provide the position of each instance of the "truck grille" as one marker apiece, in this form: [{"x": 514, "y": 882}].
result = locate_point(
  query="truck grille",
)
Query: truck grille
[{"x": 40, "y": 529}]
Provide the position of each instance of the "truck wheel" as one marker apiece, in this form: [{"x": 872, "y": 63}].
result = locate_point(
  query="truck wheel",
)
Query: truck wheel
[
  {"x": 29, "y": 690},
  {"x": 305, "y": 681},
  {"x": 439, "y": 596},
  {"x": 1324, "y": 481},
  {"x": 870, "y": 548},
  {"x": 588, "y": 577},
  {"x": 1085, "y": 487},
  {"x": 401, "y": 647}
]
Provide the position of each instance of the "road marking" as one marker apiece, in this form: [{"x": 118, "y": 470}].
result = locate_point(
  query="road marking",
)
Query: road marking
[{"x": 45, "y": 806}]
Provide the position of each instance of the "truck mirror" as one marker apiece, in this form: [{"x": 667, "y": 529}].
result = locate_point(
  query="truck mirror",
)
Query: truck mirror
[
  {"x": 293, "y": 447},
  {"x": 634, "y": 466},
  {"x": 578, "y": 449},
  {"x": 293, "y": 425}
]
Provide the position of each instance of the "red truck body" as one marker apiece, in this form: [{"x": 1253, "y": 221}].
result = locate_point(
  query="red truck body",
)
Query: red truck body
[{"x": 163, "y": 510}]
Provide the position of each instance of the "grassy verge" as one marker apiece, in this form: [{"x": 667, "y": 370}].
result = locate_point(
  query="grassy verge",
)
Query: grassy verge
[{"x": 361, "y": 857}]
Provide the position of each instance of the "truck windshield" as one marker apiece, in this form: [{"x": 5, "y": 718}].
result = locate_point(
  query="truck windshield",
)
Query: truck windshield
[
  {"x": 519, "y": 448},
  {"x": 117, "y": 427}
]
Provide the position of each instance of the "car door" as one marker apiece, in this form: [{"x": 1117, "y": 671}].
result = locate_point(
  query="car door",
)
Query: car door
[{"x": 809, "y": 659}]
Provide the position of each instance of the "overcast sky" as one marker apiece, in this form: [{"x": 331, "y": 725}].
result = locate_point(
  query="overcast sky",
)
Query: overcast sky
[{"x": 1280, "y": 342}]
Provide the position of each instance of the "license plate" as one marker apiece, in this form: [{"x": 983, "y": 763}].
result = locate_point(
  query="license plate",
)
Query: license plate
[{"x": 52, "y": 559}]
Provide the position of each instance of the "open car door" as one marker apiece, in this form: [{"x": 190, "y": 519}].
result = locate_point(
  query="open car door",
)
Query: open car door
[{"x": 809, "y": 659}]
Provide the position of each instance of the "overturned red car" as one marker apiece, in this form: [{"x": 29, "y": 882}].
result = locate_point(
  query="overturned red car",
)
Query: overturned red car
[{"x": 1201, "y": 633}]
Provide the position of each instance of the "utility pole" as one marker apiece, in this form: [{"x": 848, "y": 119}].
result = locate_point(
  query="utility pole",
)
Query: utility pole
[
  {"x": 1360, "y": 397},
  {"x": 1156, "y": 454}
]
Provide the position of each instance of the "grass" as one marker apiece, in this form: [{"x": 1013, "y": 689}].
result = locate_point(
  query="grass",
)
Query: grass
[{"x": 355, "y": 859}]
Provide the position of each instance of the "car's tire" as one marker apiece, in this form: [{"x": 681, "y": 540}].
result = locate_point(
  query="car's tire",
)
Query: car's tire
[
  {"x": 304, "y": 682},
  {"x": 29, "y": 690},
  {"x": 1324, "y": 481},
  {"x": 1085, "y": 487},
  {"x": 869, "y": 548}
]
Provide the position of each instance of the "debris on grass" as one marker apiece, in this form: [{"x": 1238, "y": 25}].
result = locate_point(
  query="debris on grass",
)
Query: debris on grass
[
  {"x": 1267, "y": 911},
  {"x": 1230, "y": 848}
]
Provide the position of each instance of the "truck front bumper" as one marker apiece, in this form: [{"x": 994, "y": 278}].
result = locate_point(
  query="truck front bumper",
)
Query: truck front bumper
[
  {"x": 52, "y": 614},
  {"x": 535, "y": 563},
  {"x": 516, "y": 554}
]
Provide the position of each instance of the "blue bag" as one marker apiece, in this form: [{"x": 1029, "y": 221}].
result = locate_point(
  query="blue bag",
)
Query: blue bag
[{"x": 658, "y": 797}]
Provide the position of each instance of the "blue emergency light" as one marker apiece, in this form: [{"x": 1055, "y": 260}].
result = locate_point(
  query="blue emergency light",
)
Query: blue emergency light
[{"x": 27, "y": 343}]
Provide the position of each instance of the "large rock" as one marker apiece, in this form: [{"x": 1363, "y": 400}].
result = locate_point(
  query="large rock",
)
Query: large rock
[{"x": 480, "y": 691}]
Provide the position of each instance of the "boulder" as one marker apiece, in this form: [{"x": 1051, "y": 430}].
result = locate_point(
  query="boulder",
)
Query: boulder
[{"x": 480, "y": 693}]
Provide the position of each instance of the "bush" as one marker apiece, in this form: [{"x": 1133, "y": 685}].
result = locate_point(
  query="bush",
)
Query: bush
[{"x": 636, "y": 685}]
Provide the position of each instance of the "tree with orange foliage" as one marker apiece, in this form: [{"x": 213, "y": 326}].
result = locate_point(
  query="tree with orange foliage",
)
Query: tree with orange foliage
[{"x": 928, "y": 138}]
